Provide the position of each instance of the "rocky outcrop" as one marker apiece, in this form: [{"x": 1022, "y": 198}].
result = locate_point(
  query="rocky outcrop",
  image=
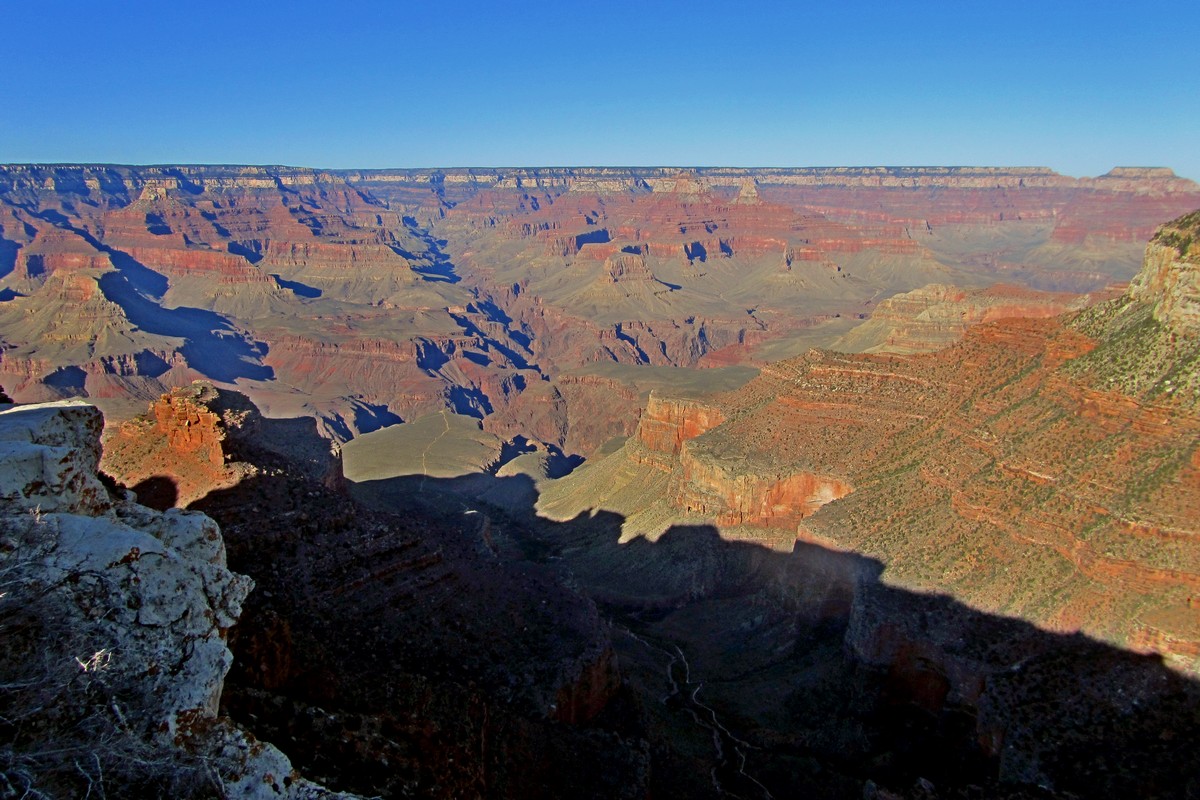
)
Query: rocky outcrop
[
  {"x": 173, "y": 454},
  {"x": 730, "y": 490},
  {"x": 937, "y": 315},
  {"x": 736, "y": 493},
  {"x": 1170, "y": 276},
  {"x": 668, "y": 422},
  {"x": 136, "y": 605}
]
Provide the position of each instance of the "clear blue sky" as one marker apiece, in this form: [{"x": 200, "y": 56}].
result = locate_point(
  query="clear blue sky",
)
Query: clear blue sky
[{"x": 1077, "y": 86}]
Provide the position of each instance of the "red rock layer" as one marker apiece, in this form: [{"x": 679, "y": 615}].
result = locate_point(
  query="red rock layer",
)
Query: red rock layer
[
  {"x": 173, "y": 454},
  {"x": 730, "y": 495},
  {"x": 667, "y": 423}
]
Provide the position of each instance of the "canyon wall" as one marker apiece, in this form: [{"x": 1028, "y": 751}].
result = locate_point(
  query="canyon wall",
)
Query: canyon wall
[
  {"x": 367, "y": 297},
  {"x": 1035, "y": 459}
]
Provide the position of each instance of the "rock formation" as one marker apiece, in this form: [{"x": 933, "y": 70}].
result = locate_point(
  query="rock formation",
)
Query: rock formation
[
  {"x": 363, "y": 298},
  {"x": 172, "y": 454},
  {"x": 115, "y": 620},
  {"x": 935, "y": 316},
  {"x": 1170, "y": 277}
]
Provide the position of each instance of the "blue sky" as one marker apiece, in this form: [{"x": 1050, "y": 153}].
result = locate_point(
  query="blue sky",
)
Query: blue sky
[{"x": 1076, "y": 86}]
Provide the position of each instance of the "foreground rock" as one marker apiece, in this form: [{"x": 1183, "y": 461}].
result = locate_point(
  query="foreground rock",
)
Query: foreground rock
[
  {"x": 115, "y": 618},
  {"x": 415, "y": 654}
]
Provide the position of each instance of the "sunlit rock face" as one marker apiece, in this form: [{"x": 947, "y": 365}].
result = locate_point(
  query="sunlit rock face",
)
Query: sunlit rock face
[
  {"x": 1170, "y": 276},
  {"x": 667, "y": 423},
  {"x": 1044, "y": 468}
]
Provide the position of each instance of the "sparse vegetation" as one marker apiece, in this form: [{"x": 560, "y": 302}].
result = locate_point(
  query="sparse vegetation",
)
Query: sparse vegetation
[
  {"x": 1137, "y": 354},
  {"x": 1179, "y": 233}
]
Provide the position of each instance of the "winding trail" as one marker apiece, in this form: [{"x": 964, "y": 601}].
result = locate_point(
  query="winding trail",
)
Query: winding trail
[
  {"x": 728, "y": 775},
  {"x": 428, "y": 447}
]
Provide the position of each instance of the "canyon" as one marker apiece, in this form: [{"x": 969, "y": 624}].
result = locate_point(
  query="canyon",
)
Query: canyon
[
  {"x": 366, "y": 298},
  {"x": 841, "y": 482}
]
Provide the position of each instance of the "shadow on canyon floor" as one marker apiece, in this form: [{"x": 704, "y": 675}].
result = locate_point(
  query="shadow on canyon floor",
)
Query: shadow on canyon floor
[
  {"x": 439, "y": 638},
  {"x": 212, "y": 344},
  {"x": 915, "y": 686}
]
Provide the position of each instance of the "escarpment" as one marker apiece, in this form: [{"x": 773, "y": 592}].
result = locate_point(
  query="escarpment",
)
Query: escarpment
[{"x": 978, "y": 532}]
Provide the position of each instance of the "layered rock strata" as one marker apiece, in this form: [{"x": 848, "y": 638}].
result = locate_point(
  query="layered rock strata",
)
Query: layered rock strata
[
  {"x": 935, "y": 316},
  {"x": 362, "y": 298}
]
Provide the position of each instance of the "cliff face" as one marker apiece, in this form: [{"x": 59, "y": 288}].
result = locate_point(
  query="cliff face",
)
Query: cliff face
[
  {"x": 729, "y": 491},
  {"x": 667, "y": 423},
  {"x": 1170, "y": 276},
  {"x": 147, "y": 597},
  {"x": 935, "y": 316},
  {"x": 1009, "y": 460},
  {"x": 131, "y": 608},
  {"x": 735, "y": 494}
]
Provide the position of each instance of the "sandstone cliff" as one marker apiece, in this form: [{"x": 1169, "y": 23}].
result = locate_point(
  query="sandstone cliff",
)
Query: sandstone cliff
[{"x": 1170, "y": 276}]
